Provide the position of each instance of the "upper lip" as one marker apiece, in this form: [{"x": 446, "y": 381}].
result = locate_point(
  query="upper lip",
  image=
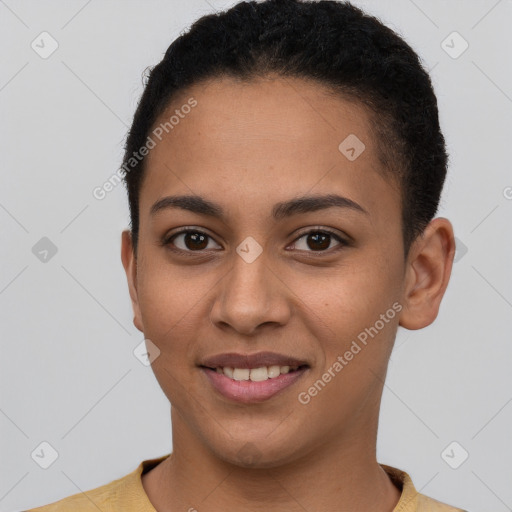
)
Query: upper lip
[{"x": 256, "y": 360}]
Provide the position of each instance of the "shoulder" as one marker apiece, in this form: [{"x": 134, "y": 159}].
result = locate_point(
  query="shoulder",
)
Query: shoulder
[
  {"x": 91, "y": 500},
  {"x": 426, "y": 504},
  {"x": 126, "y": 494},
  {"x": 410, "y": 499}
]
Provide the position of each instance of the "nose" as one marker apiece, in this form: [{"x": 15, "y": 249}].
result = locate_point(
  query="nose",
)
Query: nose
[{"x": 251, "y": 295}]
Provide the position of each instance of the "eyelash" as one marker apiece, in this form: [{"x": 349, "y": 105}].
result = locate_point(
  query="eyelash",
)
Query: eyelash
[{"x": 167, "y": 241}]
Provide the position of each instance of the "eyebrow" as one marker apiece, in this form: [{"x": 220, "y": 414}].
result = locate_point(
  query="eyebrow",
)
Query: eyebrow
[{"x": 304, "y": 204}]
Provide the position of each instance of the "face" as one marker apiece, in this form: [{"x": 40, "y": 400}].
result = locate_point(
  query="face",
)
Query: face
[{"x": 310, "y": 281}]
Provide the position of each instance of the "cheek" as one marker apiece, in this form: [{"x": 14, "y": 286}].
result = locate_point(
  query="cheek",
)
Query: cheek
[
  {"x": 353, "y": 313},
  {"x": 354, "y": 318},
  {"x": 170, "y": 304},
  {"x": 350, "y": 298},
  {"x": 170, "y": 300}
]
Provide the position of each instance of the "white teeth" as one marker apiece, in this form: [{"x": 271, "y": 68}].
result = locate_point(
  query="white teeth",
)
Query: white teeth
[
  {"x": 241, "y": 373},
  {"x": 273, "y": 371},
  {"x": 255, "y": 374},
  {"x": 258, "y": 374}
]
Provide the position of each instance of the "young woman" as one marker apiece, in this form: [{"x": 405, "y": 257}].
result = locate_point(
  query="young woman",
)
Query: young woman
[{"x": 284, "y": 168}]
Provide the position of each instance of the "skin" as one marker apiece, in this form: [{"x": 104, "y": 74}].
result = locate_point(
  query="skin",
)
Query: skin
[{"x": 248, "y": 146}]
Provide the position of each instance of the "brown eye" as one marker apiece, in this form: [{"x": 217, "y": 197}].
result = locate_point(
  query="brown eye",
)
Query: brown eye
[
  {"x": 191, "y": 241},
  {"x": 318, "y": 241},
  {"x": 195, "y": 241}
]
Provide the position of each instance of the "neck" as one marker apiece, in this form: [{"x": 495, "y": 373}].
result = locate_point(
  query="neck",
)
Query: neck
[{"x": 343, "y": 476}]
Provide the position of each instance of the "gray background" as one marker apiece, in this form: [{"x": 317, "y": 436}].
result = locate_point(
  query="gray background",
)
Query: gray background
[{"x": 68, "y": 375}]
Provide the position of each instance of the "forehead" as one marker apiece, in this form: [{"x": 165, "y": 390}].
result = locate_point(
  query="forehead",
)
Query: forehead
[{"x": 264, "y": 140}]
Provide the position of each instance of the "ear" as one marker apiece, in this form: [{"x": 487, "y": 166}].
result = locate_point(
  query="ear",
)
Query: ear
[
  {"x": 428, "y": 270},
  {"x": 130, "y": 267}
]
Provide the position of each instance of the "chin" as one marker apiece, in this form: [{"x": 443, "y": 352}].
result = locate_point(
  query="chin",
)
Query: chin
[{"x": 262, "y": 454}]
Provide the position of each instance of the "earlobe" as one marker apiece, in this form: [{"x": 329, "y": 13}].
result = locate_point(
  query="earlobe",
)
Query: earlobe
[
  {"x": 130, "y": 268},
  {"x": 428, "y": 272}
]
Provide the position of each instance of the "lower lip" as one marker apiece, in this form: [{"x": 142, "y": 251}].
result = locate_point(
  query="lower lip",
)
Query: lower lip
[{"x": 247, "y": 391}]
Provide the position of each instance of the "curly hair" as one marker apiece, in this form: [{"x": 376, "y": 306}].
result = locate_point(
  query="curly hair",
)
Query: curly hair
[{"x": 332, "y": 43}]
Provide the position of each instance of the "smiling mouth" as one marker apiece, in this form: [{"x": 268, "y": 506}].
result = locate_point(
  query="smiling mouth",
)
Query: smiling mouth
[
  {"x": 259, "y": 374},
  {"x": 253, "y": 385}
]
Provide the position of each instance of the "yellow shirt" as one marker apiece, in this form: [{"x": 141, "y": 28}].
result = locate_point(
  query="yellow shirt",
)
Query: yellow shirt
[{"x": 127, "y": 494}]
